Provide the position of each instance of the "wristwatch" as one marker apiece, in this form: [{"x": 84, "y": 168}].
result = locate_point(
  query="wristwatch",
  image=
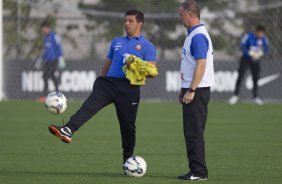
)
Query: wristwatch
[{"x": 191, "y": 90}]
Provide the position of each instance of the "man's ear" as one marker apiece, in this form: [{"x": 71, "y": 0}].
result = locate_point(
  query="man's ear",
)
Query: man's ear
[{"x": 140, "y": 24}]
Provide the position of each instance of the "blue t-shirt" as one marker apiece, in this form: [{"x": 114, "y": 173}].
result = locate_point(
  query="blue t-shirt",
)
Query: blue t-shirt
[
  {"x": 52, "y": 47},
  {"x": 138, "y": 46},
  {"x": 199, "y": 45}
]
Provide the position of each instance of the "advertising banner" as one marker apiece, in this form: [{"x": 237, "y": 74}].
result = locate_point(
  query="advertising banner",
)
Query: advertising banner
[{"x": 23, "y": 81}]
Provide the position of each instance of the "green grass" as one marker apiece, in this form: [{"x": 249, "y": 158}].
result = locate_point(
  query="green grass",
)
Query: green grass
[{"x": 243, "y": 145}]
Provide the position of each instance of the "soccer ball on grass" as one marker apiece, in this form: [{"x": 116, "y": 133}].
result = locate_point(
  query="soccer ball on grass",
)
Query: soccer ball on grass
[{"x": 135, "y": 166}]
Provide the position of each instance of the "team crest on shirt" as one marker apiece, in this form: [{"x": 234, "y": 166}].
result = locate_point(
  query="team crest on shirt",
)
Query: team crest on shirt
[{"x": 138, "y": 47}]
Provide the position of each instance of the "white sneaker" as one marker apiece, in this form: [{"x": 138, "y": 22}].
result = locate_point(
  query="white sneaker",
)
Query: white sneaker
[
  {"x": 233, "y": 100},
  {"x": 258, "y": 101}
]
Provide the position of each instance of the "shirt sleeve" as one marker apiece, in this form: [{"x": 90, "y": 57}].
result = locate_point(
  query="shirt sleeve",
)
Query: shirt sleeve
[
  {"x": 58, "y": 45},
  {"x": 151, "y": 53},
  {"x": 266, "y": 45},
  {"x": 244, "y": 43},
  {"x": 199, "y": 46},
  {"x": 111, "y": 51}
]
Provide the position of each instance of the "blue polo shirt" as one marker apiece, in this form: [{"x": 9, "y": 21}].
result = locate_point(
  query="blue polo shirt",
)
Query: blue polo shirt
[
  {"x": 199, "y": 45},
  {"x": 138, "y": 46}
]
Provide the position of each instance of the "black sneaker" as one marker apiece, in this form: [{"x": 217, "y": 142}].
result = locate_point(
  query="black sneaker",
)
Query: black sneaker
[
  {"x": 190, "y": 176},
  {"x": 63, "y": 133}
]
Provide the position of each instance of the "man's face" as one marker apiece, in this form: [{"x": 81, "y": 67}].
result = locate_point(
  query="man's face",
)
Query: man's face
[
  {"x": 260, "y": 34},
  {"x": 185, "y": 17},
  {"x": 45, "y": 29},
  {"x": 131, "y": 25}
]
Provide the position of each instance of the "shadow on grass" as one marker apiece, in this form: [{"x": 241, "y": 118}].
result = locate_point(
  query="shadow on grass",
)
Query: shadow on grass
[
  {"x": 63, "y": 173},
  {"x": 86, "y": 174}
]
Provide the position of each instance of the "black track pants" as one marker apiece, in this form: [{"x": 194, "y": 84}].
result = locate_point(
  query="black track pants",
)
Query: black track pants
[
  {"x": 194, "y": 122},
  {"x": 107, "y": 90},
  {"x": 255, "y": 70}
]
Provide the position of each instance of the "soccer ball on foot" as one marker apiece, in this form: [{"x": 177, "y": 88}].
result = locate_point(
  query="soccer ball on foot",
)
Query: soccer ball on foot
[
  {"x": 135, "y": 166},
  {"x": 56, "y": 102}
]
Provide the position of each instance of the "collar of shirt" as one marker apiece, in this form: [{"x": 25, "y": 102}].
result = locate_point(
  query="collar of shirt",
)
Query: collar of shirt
[
  {"x": 193, "y": 28},
  {"x": 141, "y": 37}
]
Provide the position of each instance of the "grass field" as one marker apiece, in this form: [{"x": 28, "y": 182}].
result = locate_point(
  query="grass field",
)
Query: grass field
[{"x": 243, "y": 145}]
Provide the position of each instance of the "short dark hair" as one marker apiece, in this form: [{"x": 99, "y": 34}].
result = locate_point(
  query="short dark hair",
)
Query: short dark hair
[
  {"x": 260, "y": 28},
  {"x": 139, "y": 15},
  {"x": 193, "y": 7},
  {"x": 45, "y": 23}
]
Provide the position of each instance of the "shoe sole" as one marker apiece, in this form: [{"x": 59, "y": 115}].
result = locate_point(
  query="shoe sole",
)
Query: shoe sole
[
  {"x": 193, "y": 180},
  {"x": 189, "y": 179},
  {"x": 57, "y": 133}
]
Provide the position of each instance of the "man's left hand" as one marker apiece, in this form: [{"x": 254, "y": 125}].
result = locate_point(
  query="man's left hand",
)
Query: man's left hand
[
  {"x": 61, "y": 63},
  {"x": 188, "y": 97}
]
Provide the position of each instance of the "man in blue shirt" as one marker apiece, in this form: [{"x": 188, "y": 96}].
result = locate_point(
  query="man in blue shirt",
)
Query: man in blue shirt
[
  {"x": 253, "y": 47},
  {"x": 52, "y": 53},
  {"x": 113, "y": 87}
]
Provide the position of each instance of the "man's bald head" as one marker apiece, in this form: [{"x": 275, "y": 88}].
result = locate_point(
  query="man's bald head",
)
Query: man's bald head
[{"x": 193, "y": 7}]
